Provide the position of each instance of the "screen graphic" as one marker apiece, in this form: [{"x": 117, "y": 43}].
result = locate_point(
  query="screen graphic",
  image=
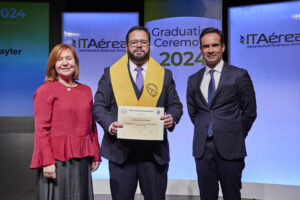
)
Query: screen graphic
[
  {"x": 24, "y": 44},
  {"x": 265, "y": 40}
]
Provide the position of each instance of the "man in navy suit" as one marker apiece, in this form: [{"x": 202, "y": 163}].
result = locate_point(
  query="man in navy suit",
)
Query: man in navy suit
[
  {"x": 136, "y": 80},
  {"x": 222, "y": 106}
]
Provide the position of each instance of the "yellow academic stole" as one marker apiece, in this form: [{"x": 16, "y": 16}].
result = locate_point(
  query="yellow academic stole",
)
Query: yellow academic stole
[{"x": 123, "y": 88}]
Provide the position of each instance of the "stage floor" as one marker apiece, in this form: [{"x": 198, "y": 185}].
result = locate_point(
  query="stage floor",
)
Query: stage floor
[
  {"x": 168, "y": 197},
  {"x": 29, "y": 195},
  {"x": 139, "y": 197}
]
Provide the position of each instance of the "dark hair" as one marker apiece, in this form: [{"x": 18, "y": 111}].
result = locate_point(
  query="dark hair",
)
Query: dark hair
[
  {"x": 137, "y": 28},
  {"x": 212, "y": 30}
]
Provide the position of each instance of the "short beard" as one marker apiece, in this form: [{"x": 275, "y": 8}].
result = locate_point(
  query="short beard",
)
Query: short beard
[{"x": 138, "y": 58}]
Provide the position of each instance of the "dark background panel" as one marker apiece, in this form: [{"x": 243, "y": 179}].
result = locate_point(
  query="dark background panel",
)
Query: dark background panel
[{"x": 16, "y": 146}]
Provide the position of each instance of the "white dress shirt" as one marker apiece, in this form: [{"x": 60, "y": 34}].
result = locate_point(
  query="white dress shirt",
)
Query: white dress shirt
[
  {"x": 133, "y": 72},
  {"x": 206, "y": 78}
]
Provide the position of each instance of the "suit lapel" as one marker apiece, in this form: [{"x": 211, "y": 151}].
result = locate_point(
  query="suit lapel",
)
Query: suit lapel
[
  {"x": 224, "y": 76},
  {"x": 198, "y": 90}
]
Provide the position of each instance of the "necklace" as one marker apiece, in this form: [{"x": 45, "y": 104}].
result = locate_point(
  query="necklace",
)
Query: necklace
[{"x": 68, "y": 85}]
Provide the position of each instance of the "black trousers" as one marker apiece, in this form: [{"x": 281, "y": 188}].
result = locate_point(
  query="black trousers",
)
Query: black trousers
[
  {"x": 212, "y": 169},
  {"x": 152, "y": 179}
]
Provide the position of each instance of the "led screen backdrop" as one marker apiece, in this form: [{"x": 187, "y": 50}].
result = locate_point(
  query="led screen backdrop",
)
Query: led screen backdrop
[
  {"x": 175, "y": 28},
  {"x": 99, "y": 40},
  {"x": 24, "y": 44},
  {"x": 265, "y": 39}
]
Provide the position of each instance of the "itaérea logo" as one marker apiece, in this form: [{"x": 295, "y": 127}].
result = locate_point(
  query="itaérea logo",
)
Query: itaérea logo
[
  {"x": 258, "y": 40},
  {"x": 94, "y": 45}
]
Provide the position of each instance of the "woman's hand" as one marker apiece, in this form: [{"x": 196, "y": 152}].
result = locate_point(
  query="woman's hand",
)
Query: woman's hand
[
  {"x": 94, "y": 165},
  {"x": 50, "y": 171}
]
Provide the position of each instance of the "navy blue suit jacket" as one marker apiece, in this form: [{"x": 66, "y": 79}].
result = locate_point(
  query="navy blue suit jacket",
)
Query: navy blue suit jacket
[
  {"x": 232, "y": 112},
  {"x": 105, "y": 111}
]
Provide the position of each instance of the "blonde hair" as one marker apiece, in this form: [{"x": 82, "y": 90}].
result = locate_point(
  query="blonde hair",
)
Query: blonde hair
[{"x": 51, "y": 73}]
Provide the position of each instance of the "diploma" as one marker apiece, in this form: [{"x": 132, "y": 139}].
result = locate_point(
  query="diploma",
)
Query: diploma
[{"x": 140, "y": 123}]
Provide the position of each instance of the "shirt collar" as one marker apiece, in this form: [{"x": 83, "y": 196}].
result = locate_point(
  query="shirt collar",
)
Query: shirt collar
[
  {"x": 218, "y": 68},
  {"x": 132, "y": 66}
]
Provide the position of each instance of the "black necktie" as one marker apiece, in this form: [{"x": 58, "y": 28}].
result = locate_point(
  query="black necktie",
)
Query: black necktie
[
  {"x": 211, "y": 93},
  {"x": 211, "y": 87}
]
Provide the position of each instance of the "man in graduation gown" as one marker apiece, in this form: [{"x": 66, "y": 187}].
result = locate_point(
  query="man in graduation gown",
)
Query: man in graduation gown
[{"x": 136, "y": 80}]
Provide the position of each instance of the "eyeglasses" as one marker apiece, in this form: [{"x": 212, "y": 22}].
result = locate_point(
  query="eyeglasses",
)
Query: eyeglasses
[{"x": 135, "y": 43}]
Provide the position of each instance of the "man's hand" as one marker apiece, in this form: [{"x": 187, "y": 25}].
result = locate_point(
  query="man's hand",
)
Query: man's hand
[
  {"x": 114, "y": 127},
  {"x": 168, "y": 120}
]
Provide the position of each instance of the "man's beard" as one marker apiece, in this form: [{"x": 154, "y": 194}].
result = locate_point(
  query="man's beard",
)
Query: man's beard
[{"x": 138, "y": 58}]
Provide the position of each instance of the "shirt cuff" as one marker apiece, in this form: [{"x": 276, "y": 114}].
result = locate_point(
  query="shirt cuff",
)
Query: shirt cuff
[{"x": 109, "y": 130}]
